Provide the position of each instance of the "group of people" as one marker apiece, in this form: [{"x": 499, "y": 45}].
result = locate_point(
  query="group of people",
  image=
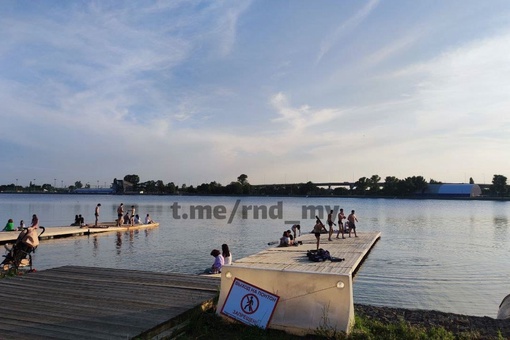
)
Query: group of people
[
  {"x": 289, "y": 237},
  {"x": 132, "y": 218},
  {"x": 9, "y": 226},
  {"x": 343, "y": 227},
  {"x": 347, "y": 227},
  {"x": 79, "y": 220},
  {"x": 221, "y": 258}
]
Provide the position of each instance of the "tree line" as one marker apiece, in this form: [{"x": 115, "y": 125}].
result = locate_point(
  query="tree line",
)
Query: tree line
[{"x": 364, "y": 186}]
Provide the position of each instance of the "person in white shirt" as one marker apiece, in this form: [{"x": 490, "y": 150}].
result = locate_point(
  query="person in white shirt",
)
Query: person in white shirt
[
  {"x": 148, "y": 219},
  {"x": 227, "y": 255}
]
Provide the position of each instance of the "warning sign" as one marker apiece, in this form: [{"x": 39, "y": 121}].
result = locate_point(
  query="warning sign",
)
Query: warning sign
[{"x": 249, "y": 304}]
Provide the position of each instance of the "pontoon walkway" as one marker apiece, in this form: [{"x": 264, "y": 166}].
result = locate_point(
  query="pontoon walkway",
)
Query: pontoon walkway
[{"x": 58, "y": 232}]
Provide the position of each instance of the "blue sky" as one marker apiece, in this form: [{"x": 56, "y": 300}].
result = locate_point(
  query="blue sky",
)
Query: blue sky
[{"x": 283, "y": 91}]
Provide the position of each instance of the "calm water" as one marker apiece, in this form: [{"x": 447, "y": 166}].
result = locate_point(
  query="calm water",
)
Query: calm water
[{"x": 450, "y": 256}]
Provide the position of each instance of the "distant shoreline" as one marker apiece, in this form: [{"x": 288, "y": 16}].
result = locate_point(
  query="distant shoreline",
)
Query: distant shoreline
[{"x": 484, "y": 198}]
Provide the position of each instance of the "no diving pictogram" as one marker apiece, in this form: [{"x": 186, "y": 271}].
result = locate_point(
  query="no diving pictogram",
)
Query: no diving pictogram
[{"x": 250, "y": 303}]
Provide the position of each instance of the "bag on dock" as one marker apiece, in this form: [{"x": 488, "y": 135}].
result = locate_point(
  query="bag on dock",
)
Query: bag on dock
[
  {"x": 321, "y": 255},
  {"x": 318, "y": 255}
]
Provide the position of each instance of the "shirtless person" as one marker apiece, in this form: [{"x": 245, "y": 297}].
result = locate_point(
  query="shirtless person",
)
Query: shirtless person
[
  {"x": 352, "y": 225},
  {"x": 330, "y": 223},
  {"x": 341, "y": 217},
  {"x": 120, "y": 214},
  {"x": 317, "y": 230},
  {"x": 96, "y": 213}
]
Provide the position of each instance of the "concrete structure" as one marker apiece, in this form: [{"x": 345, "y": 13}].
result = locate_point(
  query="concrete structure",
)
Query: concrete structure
[{"x": 312, "y": 294}]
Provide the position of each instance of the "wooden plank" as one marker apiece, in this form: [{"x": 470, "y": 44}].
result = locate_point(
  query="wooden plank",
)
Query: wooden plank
[{"x": 96, "y": 303}]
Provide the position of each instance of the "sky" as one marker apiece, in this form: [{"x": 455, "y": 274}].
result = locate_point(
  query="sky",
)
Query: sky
[{"x": 284, "y": 91}]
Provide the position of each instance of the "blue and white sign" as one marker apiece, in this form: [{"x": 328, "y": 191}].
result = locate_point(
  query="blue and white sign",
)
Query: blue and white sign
[{"x": 249, "y": 304}]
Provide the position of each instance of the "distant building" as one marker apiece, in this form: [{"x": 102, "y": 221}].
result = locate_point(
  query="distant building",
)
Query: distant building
[
  {"x": 452, "y": 190},
  {"x": 120, "y": 186},
  {"x": 95, "y": 191}
]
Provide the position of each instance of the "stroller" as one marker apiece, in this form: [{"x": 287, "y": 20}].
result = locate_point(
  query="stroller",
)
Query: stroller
[{"x": 20, "y": 254}]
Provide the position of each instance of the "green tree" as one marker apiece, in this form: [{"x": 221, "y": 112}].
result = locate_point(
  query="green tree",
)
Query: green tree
[
  {"x": 234, "y": 188},
  {"x": 170, "y": 188},
  {"x": 78, "y": 185},
  {"x": 390, "y": 186},
  {"x": 133, "y": 179},
  {"x": 243, "y": 179},
  {"x": 361, "y": 185},
  {"x": 160, "y": 186},
  {"x": 373, "y": 184},
  {"x": 471, "y": 180},
  {"x": 499, "y": 186}
]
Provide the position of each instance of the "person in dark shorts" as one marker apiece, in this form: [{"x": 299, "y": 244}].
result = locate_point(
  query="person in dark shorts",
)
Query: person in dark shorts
[
  {"x": 120, "y": 214},
  {"x": 352, "y": 223},
  {"x": 96, "y": 213},
  {"x": 317, "y": 230},
  {"x": 330, "y": 224}
]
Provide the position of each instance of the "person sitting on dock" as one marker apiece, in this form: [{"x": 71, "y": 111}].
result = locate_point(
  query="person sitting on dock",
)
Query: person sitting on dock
[
  {"x": 21, "y": 225},
  {"x": 227, "y": 255},
  {"x": 127, "y": 220},
  {"x": 137, "y": 219},
  {"x": 76, "y": 221},
  {"x": 292, "y": 241},
  {"x": 9, "y": 226},
  {"x": 219, "y": 261},
  {"x": 317, "y": 229},
  {"x": 148, "y": 219},
  {"x": 284, "y": 240}
]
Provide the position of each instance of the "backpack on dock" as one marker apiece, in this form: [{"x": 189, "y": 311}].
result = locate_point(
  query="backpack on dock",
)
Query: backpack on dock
[{"x": 321, "y": 255}]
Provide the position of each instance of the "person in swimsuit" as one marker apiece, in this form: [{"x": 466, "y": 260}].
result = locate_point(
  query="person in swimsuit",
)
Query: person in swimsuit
[
  {"x": 317, "y": 230},
  {"x": 96, "y": 213},
  {"x": 330, "y": 224},
  {"x": 120, "y": 214},
  {"x": 341, "y": 217},
  {"x": 352, "y": 225}
]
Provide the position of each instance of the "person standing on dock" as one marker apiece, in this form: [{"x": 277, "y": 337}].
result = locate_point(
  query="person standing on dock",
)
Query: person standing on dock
[
  {"x": 330, "y": 224},
  {"x": 96, "y": 213},
  {"x": 352, "y": 225},
  {"x": 341, "y": 217},
  {"x": 317, "y": 229},
  {"x": 120, "y": 214}
]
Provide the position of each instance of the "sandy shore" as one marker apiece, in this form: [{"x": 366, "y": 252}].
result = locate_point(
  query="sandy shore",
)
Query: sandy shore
[{"x": 483, "y": 327}]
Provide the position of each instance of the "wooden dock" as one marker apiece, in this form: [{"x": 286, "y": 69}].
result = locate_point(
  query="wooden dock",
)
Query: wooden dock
[
  {"x": 98, "y": 303},
  {"x": 352, "y": 249},
  {"x": 68, "y": 231},
  {"x": 307, "y": 291}
]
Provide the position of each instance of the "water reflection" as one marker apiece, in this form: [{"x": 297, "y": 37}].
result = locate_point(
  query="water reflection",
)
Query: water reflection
[{"x": 445, "y": 255}]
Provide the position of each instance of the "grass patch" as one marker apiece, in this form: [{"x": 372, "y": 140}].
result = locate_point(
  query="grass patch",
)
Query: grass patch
[{"x": 208, "y": 325}]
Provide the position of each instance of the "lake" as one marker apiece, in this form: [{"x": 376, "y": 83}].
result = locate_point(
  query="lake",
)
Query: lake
[{"x": 446, "y": 255}]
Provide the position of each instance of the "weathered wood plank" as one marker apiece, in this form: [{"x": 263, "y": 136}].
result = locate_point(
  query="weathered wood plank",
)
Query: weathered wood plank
[{"x": 96, "y": 303}]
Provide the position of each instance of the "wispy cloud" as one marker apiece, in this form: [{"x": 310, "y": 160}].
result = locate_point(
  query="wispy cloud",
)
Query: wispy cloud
[{"x": 348, "y": 25}]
